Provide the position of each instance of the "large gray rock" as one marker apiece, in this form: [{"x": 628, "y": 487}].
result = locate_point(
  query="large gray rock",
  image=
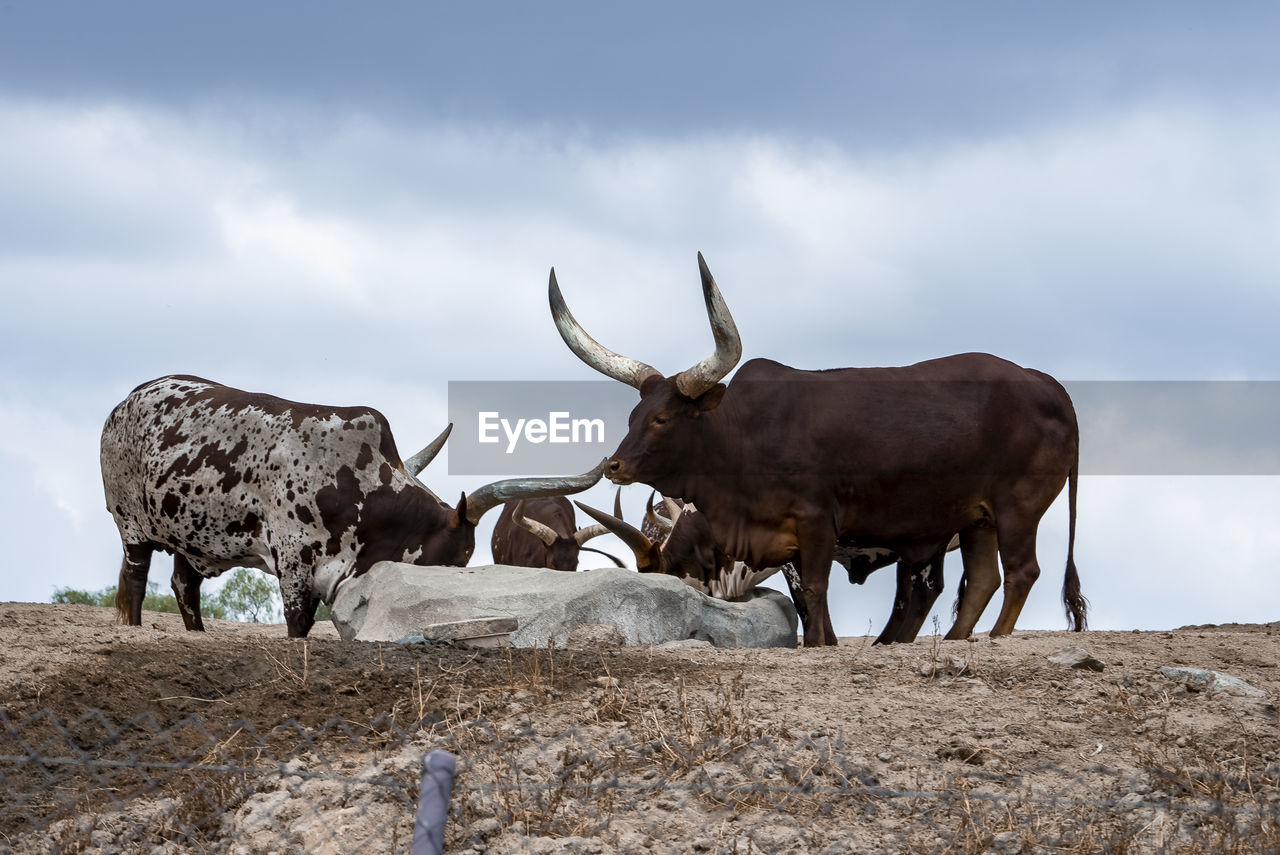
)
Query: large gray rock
[{"x": 394, "y": 600}]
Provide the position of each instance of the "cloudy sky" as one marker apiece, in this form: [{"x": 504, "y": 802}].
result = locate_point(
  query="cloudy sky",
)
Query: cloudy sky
[{"x": 344, "y": 203}]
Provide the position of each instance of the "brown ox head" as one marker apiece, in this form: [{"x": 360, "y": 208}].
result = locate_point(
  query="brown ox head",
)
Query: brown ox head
[
  {"x": 554, "y": 541},
  {"x": 685, "y": 548},
  {"x": 452, "y": 543},
  {"x": 658, "y": 446}
]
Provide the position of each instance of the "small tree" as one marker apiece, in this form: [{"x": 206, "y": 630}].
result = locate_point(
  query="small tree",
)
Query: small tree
[
  {"x": 154, "y": 601},
  {"x": 251, "y": 596},
  {"x": 246, "y": 596},
  {"x": 105, "y": 597}
]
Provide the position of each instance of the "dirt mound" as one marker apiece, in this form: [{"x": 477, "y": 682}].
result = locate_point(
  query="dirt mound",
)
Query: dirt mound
[{"x": 934, "y": 746}]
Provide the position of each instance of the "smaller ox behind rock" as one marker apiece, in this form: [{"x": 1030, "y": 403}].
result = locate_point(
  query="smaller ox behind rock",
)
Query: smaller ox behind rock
[{"x": 543, "y": 533}]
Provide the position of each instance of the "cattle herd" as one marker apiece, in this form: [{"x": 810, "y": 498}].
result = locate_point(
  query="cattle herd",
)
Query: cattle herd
[{"x": 781, "y": 470}]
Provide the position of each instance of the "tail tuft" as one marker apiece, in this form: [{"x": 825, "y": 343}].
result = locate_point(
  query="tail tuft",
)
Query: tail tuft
[
  {"x": 123, "y": 603},
  {"x": 1076, "y": 605},
  {"x": 955, "y": 607}
]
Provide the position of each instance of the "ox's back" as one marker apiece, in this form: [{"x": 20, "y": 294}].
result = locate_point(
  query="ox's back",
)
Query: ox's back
[{"x": 870, "y": 443}]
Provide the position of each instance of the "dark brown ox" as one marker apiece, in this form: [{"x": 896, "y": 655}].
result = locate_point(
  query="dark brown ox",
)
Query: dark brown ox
[
  {"x": 676, "y": 540},
  {"x": 313, "y": 494},
  {"x": 543, "y": 533},
  {"x": 787, "y": 464},
  {"x": 680, "y": 544}
]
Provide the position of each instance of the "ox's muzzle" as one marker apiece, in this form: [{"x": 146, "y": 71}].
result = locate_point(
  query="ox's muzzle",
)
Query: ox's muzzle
[{"x": 617, "y": 471}]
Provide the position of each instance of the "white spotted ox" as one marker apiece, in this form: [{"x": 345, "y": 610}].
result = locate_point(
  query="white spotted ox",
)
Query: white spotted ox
[{"x": 313, "y": 494}]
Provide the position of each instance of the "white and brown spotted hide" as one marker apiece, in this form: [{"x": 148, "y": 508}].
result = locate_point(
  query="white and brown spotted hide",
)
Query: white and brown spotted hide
[{"x": 222, "y": 478}]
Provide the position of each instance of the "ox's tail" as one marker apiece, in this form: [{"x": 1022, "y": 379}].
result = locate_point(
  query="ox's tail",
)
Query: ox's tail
[
  {"x": 123, "y": 602},
  {"x": 1074, "y": 602},
  {"x": 955, "y": 607}
]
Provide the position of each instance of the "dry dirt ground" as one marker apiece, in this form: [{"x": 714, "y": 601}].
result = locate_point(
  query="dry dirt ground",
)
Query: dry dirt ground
[{"x": 153, "y": 739}]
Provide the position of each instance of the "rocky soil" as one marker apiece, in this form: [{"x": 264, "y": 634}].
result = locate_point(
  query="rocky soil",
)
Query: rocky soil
[{"x": 240, "y": 740}]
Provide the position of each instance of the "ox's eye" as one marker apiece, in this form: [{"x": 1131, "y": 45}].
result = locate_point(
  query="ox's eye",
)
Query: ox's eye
[{"x": 659, "y": 420}]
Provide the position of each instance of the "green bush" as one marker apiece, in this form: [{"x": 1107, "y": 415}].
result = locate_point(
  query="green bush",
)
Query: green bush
[{"x": 248, "y": 596}]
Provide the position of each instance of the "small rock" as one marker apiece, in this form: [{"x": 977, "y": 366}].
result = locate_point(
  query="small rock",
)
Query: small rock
[
  {"x": 420, "y": 641},
  {"x": 974, "y": 755},
  {"x": 607, "y": 682},
  {"x": 1007, "y": 842},
  {"x": 945, "y": 666},
  {"x": 1214, "y": 682},
  {"x": 596, "y": 636},
  {"x": 1131, "y": 800},
  {"x": 1077, "y": 657},
  {"x": 681, "y": 643}
]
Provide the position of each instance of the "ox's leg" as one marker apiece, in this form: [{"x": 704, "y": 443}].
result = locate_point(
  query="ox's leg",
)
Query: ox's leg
[
  {"x": 1018, "y": 554},
  {"x": 902, "y": 597},
  {"x": 299, "y": 603},
  {"x": 978, "y": 551},
  {"x": 791, "y": 572},
  {"x": 817, "y": 548},
  {"x": 186, "y": 589},
  {"x": 926, "y": 586},
  {"x": 131, "y": 588},
  {"x": 919, "y": 585}
]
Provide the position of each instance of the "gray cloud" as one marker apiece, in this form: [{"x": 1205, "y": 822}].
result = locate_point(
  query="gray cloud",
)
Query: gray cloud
[
  {"x": 375, "y": 262},
  {"x": 880, "y": 75}
]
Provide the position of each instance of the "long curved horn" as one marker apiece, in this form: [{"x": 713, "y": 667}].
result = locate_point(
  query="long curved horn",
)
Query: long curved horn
[
  {"x": 615, "y": 559},
  {"x": 673, "y": 510},
  {"x": 513, "y": 489},
  {"x": 712, "y": 370},
  {"x": 633, "y": 372},
  {"x": 585, "y": 533},
  {"x": 414, "y": 465},
  {"x": 627, "y": 533},
  {"x": 542, "y": 531},
  {"x": 653, "y": 519},
  {"x": 588, "y": 532}
]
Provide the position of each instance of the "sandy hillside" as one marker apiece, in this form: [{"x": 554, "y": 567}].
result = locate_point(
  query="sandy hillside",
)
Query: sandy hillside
[{"x": 933, "y": 747}]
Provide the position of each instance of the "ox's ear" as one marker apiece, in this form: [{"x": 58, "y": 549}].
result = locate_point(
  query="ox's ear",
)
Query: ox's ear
[
  {"x": 651, "y": 384},
  {"x": 459, "y": 513},
  {"x": 710, "y": 399}
]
